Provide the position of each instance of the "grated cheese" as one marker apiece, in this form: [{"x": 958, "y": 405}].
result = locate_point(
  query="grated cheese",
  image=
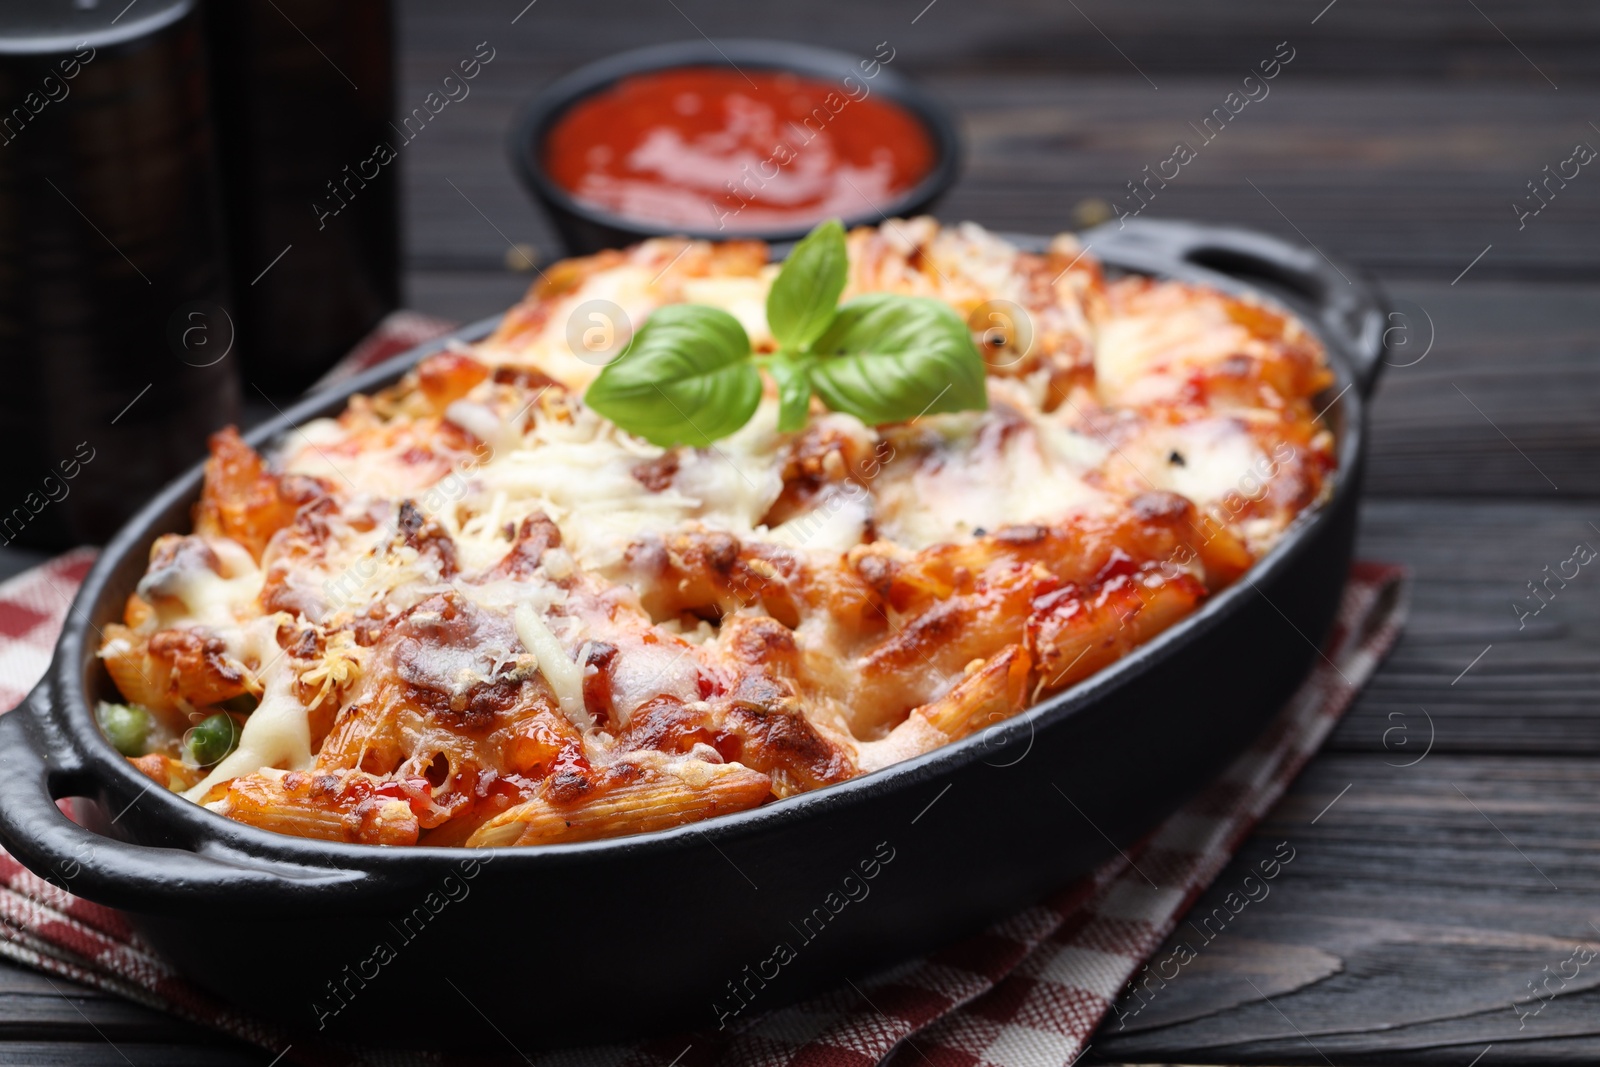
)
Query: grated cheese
[{"x": 565, "y": 676}]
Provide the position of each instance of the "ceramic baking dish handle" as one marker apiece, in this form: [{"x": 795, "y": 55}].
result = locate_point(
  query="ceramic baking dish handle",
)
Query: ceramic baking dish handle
[
  {"x": 37, "y": 768},
  {"x": 1338, "y": 297}
]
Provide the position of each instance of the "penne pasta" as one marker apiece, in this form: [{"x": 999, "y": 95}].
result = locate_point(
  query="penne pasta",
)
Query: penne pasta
[
  {"x": 471, "y": 610},
  {"x": 654, "y": 800}
]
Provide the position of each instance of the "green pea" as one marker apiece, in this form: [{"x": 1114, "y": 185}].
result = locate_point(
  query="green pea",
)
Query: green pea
[
  {"x": 126, "y": 726},
  {"x": 213, "y": 739}
]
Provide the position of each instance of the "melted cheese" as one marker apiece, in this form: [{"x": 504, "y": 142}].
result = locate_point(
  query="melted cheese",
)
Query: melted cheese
[
  {"x": 1035, "y": 473},
  {"x": 743, "y": 298},
  {"x": 650, "y": 670},
  {"x": 191, "y": 592},
  {"x": 565, "y": 676},
  {"x": 277, "y": 734},
  {"x": 1216, "y": 457},
  {"x": 832, "y": 525},
  {"x": 1028, "y": 459},
  {"x": 381, "y": 471},
  {"x": 582, "y": 476}
]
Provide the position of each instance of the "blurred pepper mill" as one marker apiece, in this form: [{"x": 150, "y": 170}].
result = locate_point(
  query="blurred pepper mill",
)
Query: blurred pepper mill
[
  {"x": 304, "y": 91},
  {"x": 114, "y": 333}
]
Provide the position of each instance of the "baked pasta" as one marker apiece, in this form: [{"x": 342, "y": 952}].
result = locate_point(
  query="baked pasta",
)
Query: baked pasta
[{"x": 471, "y": 611}]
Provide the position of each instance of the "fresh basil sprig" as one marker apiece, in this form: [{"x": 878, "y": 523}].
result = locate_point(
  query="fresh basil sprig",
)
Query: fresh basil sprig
[
  {"x": 887, "y": 358},
  {"x": 689, "y": 376},
  {"x": 685, "y": 378},
  {"x": 801, "y": 301}
]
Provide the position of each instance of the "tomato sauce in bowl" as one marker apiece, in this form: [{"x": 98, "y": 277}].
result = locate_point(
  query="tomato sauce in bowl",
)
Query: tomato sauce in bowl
[{"x": 712, "y": 148}]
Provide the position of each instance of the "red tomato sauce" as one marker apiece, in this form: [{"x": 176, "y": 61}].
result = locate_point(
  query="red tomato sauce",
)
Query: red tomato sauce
[{"x": 713, "y": 149}]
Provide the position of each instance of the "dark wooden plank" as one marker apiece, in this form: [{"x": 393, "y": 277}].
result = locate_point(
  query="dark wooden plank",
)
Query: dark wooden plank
[
  {"x": 1359, "y": 38},
  {"x": 1415, "y": 910},
  {"x": 1341, "y": 166},
  {"x": 463, "y": 208},
  {"x": 38, "y": 1011},
  {"x": 1405, "y": 179},
  {"x": 465, "y": 296},
  {"x": 78, "y": 1053},
  {"x": 1409, "y": 182},
  {"x": 1533, "y": 685},
  {"x": 1503, "y": 404}
]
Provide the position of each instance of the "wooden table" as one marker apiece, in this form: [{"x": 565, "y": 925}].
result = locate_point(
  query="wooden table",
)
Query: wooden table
[{"x": 1448, "y": 837}]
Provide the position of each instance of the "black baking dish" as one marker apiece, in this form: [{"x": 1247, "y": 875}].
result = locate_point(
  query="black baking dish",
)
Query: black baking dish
[{"x": 598, "y": 941}]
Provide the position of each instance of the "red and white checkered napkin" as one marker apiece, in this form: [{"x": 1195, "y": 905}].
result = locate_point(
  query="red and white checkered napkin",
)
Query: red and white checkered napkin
[
  {"x": 33, "y": 605},
  {"x": 1027, "y": 993}
]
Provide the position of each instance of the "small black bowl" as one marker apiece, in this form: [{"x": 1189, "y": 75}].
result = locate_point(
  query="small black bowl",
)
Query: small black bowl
[{"x": 585, "y": 228}]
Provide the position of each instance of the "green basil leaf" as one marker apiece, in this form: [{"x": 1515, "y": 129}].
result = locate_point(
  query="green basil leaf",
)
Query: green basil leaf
[
  {"x": 685, "y": 378},
  {"x": 794, "y": 392},
  {"x": 888, "y": 358},
  {"x": 801, "y": 302}
]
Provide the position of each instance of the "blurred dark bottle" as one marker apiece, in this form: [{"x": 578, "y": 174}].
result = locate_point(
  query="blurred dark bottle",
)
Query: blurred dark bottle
[
  {"x": 114, "y": 328},
  {"x": 304, "y": 91}
]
